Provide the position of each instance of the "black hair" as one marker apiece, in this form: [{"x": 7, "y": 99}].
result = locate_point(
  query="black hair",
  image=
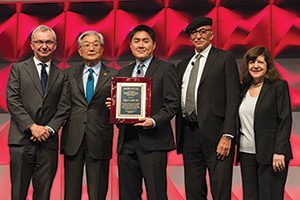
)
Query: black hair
[{"x": 145, "y": 28}]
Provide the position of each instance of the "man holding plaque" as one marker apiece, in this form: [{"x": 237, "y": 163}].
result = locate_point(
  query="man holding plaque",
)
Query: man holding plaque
[
  {"x": 206, "y": 122},
  {"x": 143, "y": 146},
  {"x": 87, "y": 135}
]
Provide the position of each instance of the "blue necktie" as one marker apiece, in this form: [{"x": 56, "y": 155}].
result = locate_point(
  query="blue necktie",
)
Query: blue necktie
[
  {"x": 44, "y": 77},
  {"x": 90, "y": 86}
]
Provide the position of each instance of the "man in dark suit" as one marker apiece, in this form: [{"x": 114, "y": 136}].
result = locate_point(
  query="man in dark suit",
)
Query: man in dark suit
[
  {"x": 36, "y": 98},
  {"x": 205, "y": 124},
  {"x": 87, "y": 135},
  {"x": 143, "y": 146}
]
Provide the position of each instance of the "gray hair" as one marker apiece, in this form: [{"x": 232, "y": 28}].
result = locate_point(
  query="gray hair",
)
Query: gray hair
[
  {"x": 91, "y": 32},
  {"x": 43, "y": 28}
]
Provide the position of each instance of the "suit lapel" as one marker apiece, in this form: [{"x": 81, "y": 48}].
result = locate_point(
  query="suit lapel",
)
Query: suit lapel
[
  {"x": 264, "y": 90},
  {"x": 33, "y": 74},
  {"x": 209, "y": 62},
  {"x": 182, "y": 69},
  {"x": 128, "y": 70},
  {"x": 152, "y": 67},
  {"x": 243, "y": 92},
  {"x": 53, "y": 74},
  {"x": 102, "y": 79},
  {"x": 78, "y": 77}
]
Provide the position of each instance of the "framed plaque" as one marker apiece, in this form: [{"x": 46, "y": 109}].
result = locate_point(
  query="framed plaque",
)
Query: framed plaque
[{"x": 131, "y": 99}]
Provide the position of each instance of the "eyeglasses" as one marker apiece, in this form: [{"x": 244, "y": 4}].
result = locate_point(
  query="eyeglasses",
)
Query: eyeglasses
[
  {"x": 41, "y": 42},
  {"x": 88, "y": 45},
  {"x": 203, "y": 32}
]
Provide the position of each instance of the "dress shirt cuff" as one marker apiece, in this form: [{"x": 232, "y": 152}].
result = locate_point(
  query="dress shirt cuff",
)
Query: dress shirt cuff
[
  {"x": 51, "y": 130},
  {"x": 228, "y": 135},
  {"x": 154, "y": 123}
]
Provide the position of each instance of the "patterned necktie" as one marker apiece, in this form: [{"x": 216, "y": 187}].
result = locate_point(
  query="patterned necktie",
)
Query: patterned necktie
[
  {"x": 140, "y": 70},
  {"x": 90, "y": 86},
  {"x": 190, "y": 93},
  {"x": 44, "y": 77}
]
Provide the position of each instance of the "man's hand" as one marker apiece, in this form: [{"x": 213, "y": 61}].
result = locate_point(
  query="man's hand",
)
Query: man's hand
[
  {"x": 278, "y": 162},
  {"x": 223, "y": 148},
  {"x": 146, "y": 123},
  {"x": 39, "y": 133},
  {"x": 108, "y": 102}
]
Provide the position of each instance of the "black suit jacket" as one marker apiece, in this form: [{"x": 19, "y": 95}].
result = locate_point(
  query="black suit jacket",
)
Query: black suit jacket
[
  {"x": 91, "y": 118},
  {"x": 164, "y": 103},
  {"x": 217, "y": 100},
  {"x": 27, "y": 105},
  {"x": 272, "y": 121}
]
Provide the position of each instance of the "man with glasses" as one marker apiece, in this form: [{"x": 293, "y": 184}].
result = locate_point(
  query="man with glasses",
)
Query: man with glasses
[
  {"x": 143, "y": 147},
  {"x": 205, "y": 124},
  {"x": 37, "y": 94},
  {"x": 87, "y": 135}
]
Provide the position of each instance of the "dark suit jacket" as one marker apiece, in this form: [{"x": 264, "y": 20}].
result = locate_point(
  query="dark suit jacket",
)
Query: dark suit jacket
[
  {"x": 91, "y": 118},
  {"x": 272, "y": 121},
  {"x": 217, "y": 100},
  {"x": 164, "y": 103},
  {"x": 27, "y": 105}
]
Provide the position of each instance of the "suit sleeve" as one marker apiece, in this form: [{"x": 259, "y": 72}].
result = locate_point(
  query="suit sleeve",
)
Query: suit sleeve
[
  {"x": 232, "y": 95},
  {"x": 284, "y": 114},
  {"x": 14, "y": 100},
  {"x": 63, "y": 107},
  {"x": 170, "y": 96}
]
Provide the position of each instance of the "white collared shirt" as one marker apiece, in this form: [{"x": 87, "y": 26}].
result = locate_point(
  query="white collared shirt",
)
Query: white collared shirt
[
  {"x": 137, "y": 63},
  {"x": 39, "y": 67},
  {"x": 96, "y": 73},
  {"x": 134, "y": 73},
  {"x": 186, "y": 75}
]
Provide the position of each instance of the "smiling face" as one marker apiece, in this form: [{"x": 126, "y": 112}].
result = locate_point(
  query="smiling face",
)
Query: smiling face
[
  {"x": 142, "y": 46},
  {"x": 43, "y": 45},
  {"x": 201, "y": 37},
  {"x": 91, "y": 49},
  {"x": 257, "y": 69}
]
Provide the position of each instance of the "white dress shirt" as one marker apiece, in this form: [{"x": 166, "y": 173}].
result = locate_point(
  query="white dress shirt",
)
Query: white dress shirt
[
  {"x": 86, "y": 72},
  {"x": 137, "y": 63},
  {"x": 186, "y": 75},
  {"x": 39, "y": 67}
]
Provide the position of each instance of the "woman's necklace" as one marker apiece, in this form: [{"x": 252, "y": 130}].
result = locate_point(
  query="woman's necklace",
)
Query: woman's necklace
[{"x": 256, "y": 85}]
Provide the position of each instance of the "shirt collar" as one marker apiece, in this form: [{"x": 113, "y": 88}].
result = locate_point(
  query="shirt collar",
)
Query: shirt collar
[
  {"x": 146, "y": 62},
  {"x": 96, "y": 68},
  {"x": 37, "y": 62},
  {"x": 205, "y": 51}
]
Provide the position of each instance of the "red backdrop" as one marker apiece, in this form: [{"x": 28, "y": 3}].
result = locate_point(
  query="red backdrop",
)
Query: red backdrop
[{"x": 238, "y": 24}]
